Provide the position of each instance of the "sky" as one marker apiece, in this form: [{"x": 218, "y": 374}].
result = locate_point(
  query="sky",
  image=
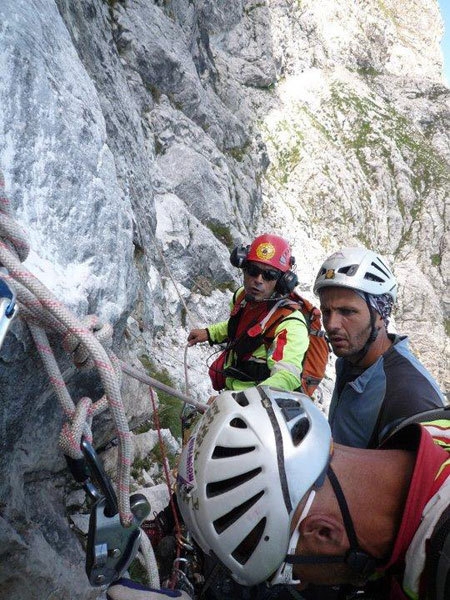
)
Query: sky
[{"x": 445, "y": 12}]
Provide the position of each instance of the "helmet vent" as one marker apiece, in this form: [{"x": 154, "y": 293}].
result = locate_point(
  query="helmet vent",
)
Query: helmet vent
[
  {"x": 384, "y": 271},
  {"x": 348, "y": 270},
  {"x": 241, "y": 399},
  {"x": 222, "y": 487},
  {"x": 372, "y": 277},
  {"x": 227, "y": 452},
  {"x": 290, "y": 408},
  {"x": 221, "y": 524},
  {"x": 247, "y": 547},
  {"x": 239, "y": 423},
  {"x": 299, "y": 430}
]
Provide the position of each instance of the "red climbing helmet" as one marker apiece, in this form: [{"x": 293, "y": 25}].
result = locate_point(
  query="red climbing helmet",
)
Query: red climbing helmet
[{"x": 271, "y": 250}]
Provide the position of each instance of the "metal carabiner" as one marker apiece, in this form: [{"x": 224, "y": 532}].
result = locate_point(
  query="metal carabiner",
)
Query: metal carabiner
[
  {"x": 111, "y": 547},
  {"x": 8, "y": 307},
  {"x": 97, "y": 473}
]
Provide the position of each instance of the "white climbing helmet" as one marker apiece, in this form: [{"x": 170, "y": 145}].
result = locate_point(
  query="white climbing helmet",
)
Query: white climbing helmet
[
  {"x": 254, "y": 456},
  {"x": 357, "y": 269}
]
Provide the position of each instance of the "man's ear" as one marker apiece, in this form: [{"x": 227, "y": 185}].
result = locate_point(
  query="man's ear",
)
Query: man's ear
[
  {"x": 379, "y": 321},
  {"x": 324, "y": 533}
]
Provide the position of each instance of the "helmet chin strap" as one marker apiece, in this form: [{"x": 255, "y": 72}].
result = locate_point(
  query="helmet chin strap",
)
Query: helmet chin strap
[
  {"x": 372, "y": 335},
  {"x": 284, "y": 573},
  {"x": 359, "y": 561}
]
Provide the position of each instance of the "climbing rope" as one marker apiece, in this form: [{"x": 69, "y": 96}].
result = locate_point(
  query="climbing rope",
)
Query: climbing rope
[
  {"x": 188, "y": 312},
  {"x": 167, "y": 476},
  {"x": 89, "y": 342}
]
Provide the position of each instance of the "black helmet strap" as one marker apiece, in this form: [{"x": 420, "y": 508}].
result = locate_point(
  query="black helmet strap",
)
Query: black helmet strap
[
  {"x": 372, "y": 335},
  {"x": 359, "y": 561}
]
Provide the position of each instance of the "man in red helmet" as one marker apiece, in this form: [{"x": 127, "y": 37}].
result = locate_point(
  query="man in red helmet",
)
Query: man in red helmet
[{"x": 266, "y": 335}]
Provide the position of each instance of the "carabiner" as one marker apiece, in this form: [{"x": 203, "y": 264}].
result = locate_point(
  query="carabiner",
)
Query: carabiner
[
  {"x": 88, "y": 470},
  {"x": 111, "y": 547},
  {"x": 8, "y": 307},
  {"x": 98, "y": 475}
]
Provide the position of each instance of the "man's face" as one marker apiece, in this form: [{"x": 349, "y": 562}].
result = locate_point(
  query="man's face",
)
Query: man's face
[
  {"x": 346, "y": 319},
  {"x": 260, "y": 280}
]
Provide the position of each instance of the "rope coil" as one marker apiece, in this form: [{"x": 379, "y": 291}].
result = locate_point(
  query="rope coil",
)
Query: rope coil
[{"x": 89, "y": 342}]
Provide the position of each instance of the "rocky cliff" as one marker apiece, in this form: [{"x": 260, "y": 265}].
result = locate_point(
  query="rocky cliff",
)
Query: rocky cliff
[{"x": 141, "y": 140}]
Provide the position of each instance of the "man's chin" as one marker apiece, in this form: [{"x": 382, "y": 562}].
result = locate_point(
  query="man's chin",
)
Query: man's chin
[
  {"x": 253, "y": 296},
  {"x": 349, "y": 355},
  {"x": 340, "y": 351}
]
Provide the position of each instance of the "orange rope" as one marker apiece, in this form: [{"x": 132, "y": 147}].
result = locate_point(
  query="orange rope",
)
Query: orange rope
[{"x": 174, "y": 577}]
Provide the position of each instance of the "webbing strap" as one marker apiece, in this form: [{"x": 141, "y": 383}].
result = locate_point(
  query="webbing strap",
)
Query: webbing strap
[
  {"x": 438, "y": 561},
  {"x": 348, "y": 522},
  {"x": 443, "y": 570}
]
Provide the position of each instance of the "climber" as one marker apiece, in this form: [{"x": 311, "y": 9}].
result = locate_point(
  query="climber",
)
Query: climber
[
  {"x": 263, "y": 488},
  {"x": 268, "y": 278},
  {"x": 268, "y": 281},
  {"x": 378, "y": 380},
  {"x": 327, "y": 513}
]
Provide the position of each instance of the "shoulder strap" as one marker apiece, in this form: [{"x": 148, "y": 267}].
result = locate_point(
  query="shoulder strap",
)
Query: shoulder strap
[
  {"x": 259, "y": 331},
  {"x": 437, "y": 568},
  {"x": 276, "y": 314},
  {"x": 235, "y": 314},
  {"x": 434, "y": 414},
  {"x": 238, "y": 295}
]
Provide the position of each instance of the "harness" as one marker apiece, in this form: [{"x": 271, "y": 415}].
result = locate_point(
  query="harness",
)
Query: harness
[
  {"x": 247, "y": 330},
  {"x": 437, "y": 566},
  {"x": 437, "y": 561}
]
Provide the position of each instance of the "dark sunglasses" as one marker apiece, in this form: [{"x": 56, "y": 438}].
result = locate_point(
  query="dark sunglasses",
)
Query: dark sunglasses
[{"x": 267, "y": 274}]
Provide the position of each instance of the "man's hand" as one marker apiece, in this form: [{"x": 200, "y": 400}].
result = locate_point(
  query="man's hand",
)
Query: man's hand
[{"x": 196, "y": 336}]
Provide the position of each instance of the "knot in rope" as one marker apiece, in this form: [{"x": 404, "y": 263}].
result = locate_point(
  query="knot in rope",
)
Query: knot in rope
[
  {"x": 79, "y": 425},
  {"x": 81, "y": 356}
]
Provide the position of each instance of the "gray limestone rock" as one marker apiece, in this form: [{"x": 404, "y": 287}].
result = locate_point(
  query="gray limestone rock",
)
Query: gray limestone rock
[{"x": 141, "y": 141}]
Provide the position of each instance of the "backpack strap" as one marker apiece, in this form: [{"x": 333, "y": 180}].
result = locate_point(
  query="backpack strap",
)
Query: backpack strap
[
  {"x": 255, "y": 335},
  {"x": 238, "y": 296},
  {"x": 264, "y": 326},
  {"x": 433, "y": 414},
  {"x": 235, "y": 314},
  {"x": 438, "y": 561},
  {"x": 256, "y": 332}
]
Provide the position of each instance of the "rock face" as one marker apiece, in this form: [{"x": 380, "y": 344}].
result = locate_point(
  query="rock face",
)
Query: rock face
[{"x": 141, "y": 140}]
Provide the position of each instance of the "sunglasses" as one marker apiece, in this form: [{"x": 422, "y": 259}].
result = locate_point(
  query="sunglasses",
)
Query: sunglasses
[{"x": 267, "y": 274}]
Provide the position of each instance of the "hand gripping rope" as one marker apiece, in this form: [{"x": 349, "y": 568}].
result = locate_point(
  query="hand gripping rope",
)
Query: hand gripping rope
[{"x": 89, "y": 342}]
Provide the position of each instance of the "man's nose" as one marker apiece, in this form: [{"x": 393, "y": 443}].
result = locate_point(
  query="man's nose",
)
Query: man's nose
[{"x": 331, "y": 321}]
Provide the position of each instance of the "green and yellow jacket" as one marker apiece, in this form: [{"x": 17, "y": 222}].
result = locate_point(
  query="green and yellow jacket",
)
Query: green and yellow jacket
[{"x": 266, "y": 342}]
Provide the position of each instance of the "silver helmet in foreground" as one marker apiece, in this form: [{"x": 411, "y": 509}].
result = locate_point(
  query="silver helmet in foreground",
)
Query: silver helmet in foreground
[{"x": 255, "y": 455}]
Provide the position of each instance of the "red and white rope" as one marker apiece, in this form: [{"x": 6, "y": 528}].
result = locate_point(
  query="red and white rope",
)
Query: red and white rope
[
  {"x": 88, "y": 341},
  {"x": 43, "y": 309}
]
